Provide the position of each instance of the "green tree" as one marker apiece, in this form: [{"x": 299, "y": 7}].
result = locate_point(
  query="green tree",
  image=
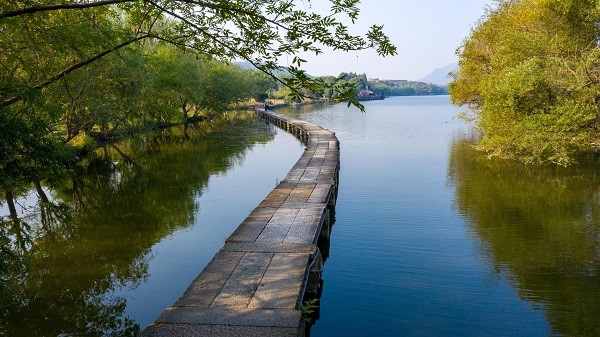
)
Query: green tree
[
  {"x": 176, "y": 83},
  {"x": 261, "y": 32},
  {"x": 101, "y": 66},
  {"x": 224, "y": 84},
  {"x": 530, "y": 72},
  {"x": 262, "y": 85}
]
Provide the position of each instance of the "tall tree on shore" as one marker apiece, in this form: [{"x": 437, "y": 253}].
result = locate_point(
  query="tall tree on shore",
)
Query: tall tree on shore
[{"x": 530, "y": 71}]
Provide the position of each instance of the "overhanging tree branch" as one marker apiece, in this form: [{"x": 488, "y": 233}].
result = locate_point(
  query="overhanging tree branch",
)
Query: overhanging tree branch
[
  {"x": 259, "y": 24},
  {"x": 224, "y": 7},
  {"x": 224, "y": 45},
  {"x": 256, "y": 65},
  {"x": 35, "y": 9},
  {"x": 84, "y": 5},
  {"x": 301, "y": 81},
  {"x": 74, "y": 67}
]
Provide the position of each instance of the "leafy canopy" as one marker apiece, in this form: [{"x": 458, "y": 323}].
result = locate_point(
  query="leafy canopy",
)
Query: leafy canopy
[
  {"x": 261, "y": 32},
  {"x": 530, "y": 71},
  {"x": 73, "y": 68}
]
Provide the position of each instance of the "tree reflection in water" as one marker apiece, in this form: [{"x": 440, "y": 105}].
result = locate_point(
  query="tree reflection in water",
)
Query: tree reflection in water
[
  {"x": 92, "y": 236},
  {"x": 542, "y": 225}
]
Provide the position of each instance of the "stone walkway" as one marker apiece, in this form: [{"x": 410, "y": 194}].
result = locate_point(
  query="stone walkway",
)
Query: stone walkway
[{"x": 255, "y": 285}]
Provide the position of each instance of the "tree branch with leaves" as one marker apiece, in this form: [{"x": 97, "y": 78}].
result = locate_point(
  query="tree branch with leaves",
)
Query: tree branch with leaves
[{"x": 261, "y": 32}]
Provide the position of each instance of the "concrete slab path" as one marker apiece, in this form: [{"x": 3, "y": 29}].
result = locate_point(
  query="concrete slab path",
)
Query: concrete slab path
[{"x": 255, "y": 285}]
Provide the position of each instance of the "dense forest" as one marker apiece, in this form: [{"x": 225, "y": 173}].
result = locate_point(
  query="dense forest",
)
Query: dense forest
[{"x": 530, "y": 72}]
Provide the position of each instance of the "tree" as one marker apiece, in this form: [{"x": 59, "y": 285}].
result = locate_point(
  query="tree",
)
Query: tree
[
  {"x": 260, "y": 32},
  {"x": 530, "y": 71},
  {"x": 262, "y": 85},
  {"x": 70, "y": 67},
  {"x": 176, "y": 83}
]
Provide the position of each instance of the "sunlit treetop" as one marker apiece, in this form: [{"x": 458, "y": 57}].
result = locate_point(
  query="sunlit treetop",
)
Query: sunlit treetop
[{"x": 530, "y": 71}]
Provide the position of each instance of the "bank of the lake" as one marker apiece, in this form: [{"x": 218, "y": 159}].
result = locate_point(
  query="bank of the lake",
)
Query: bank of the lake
[{"x": 433, "y": 239}]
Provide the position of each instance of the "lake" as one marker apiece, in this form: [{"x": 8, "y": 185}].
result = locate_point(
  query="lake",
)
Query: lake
[
  {"x": 147, "y": 215},
  {"x": 431, "y": 238}
]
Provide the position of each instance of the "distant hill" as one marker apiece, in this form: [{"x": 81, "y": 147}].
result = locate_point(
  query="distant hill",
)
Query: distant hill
[
  {"x": 440, "y": 75},
  {"x": 244, "y": 65},
  {"x": 406, "y": 88}
]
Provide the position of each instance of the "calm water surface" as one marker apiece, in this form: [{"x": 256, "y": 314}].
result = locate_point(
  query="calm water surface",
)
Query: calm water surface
[
  {"x": 432, "y": 239},
  {"x": 148, "y": 215}
]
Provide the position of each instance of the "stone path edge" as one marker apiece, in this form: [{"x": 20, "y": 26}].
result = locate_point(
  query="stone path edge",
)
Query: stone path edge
[{"x": 255, "y": 285}]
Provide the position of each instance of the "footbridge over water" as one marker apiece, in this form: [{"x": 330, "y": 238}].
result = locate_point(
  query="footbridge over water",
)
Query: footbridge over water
[{"x": 256, "y": 284}]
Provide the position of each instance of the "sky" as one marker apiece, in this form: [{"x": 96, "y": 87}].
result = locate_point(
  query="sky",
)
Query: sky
[{"x": 426, "y": 33}]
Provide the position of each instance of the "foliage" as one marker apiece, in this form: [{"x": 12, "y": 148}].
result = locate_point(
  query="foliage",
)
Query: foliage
[
  {"x": 260, "y": 32},
  {"x": 308, "y": 308},
  {"x": 407, "y": 88},
  {"x": 29, "y": 150},
  {"x": 530, "y": 72},
  {"x": 106, "y": 68}
]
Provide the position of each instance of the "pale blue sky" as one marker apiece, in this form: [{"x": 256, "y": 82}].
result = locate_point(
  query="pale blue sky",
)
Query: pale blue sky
[{"x": 426, "y": 33}]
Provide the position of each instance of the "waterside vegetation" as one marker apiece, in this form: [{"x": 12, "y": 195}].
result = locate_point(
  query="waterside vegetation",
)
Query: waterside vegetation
[
  {"x": 385, "y": 88},
  {"x": 530, "y": 73},
  {"x": 78, "y": 74}
]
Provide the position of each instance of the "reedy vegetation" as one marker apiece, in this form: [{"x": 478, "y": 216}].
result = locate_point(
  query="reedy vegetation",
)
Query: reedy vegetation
[{"x": 530, "y": 72}]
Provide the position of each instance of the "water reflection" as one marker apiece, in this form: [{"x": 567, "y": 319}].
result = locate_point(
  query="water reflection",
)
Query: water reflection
[
  {"x": 435, "y": 240},
  {"x": 541, "y": 225},
  {"x": 91, "y": 237}
]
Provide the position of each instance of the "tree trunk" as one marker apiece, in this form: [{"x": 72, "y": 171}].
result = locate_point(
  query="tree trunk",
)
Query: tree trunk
[
  {"x": 185, "y": 113},
  {"x": 40, "y": 191},
  {"x": 10, "y": 201}
]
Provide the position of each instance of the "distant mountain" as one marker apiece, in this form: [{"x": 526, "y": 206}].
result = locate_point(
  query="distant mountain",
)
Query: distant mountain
[
  {"x": 244, "y": 65},
  {"x": 247, "y": 65},
  {"x": 440, "y": 75}
]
